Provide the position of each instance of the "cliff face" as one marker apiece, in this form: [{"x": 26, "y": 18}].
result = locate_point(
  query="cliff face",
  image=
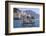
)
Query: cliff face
[{"x": 25, "y": 18}]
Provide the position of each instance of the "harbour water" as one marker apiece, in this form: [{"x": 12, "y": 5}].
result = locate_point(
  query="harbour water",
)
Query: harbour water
[{"x": 19, "y": 24}]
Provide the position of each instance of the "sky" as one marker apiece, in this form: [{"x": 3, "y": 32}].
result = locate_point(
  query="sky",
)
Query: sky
[{"x": 36, "y": 10}]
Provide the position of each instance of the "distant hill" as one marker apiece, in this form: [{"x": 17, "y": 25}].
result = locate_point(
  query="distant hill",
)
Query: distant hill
[{"x": 31, "y": 12}]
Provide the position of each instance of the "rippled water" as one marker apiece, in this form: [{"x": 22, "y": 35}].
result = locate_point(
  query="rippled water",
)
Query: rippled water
[{"x": 19, "y": 24}]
